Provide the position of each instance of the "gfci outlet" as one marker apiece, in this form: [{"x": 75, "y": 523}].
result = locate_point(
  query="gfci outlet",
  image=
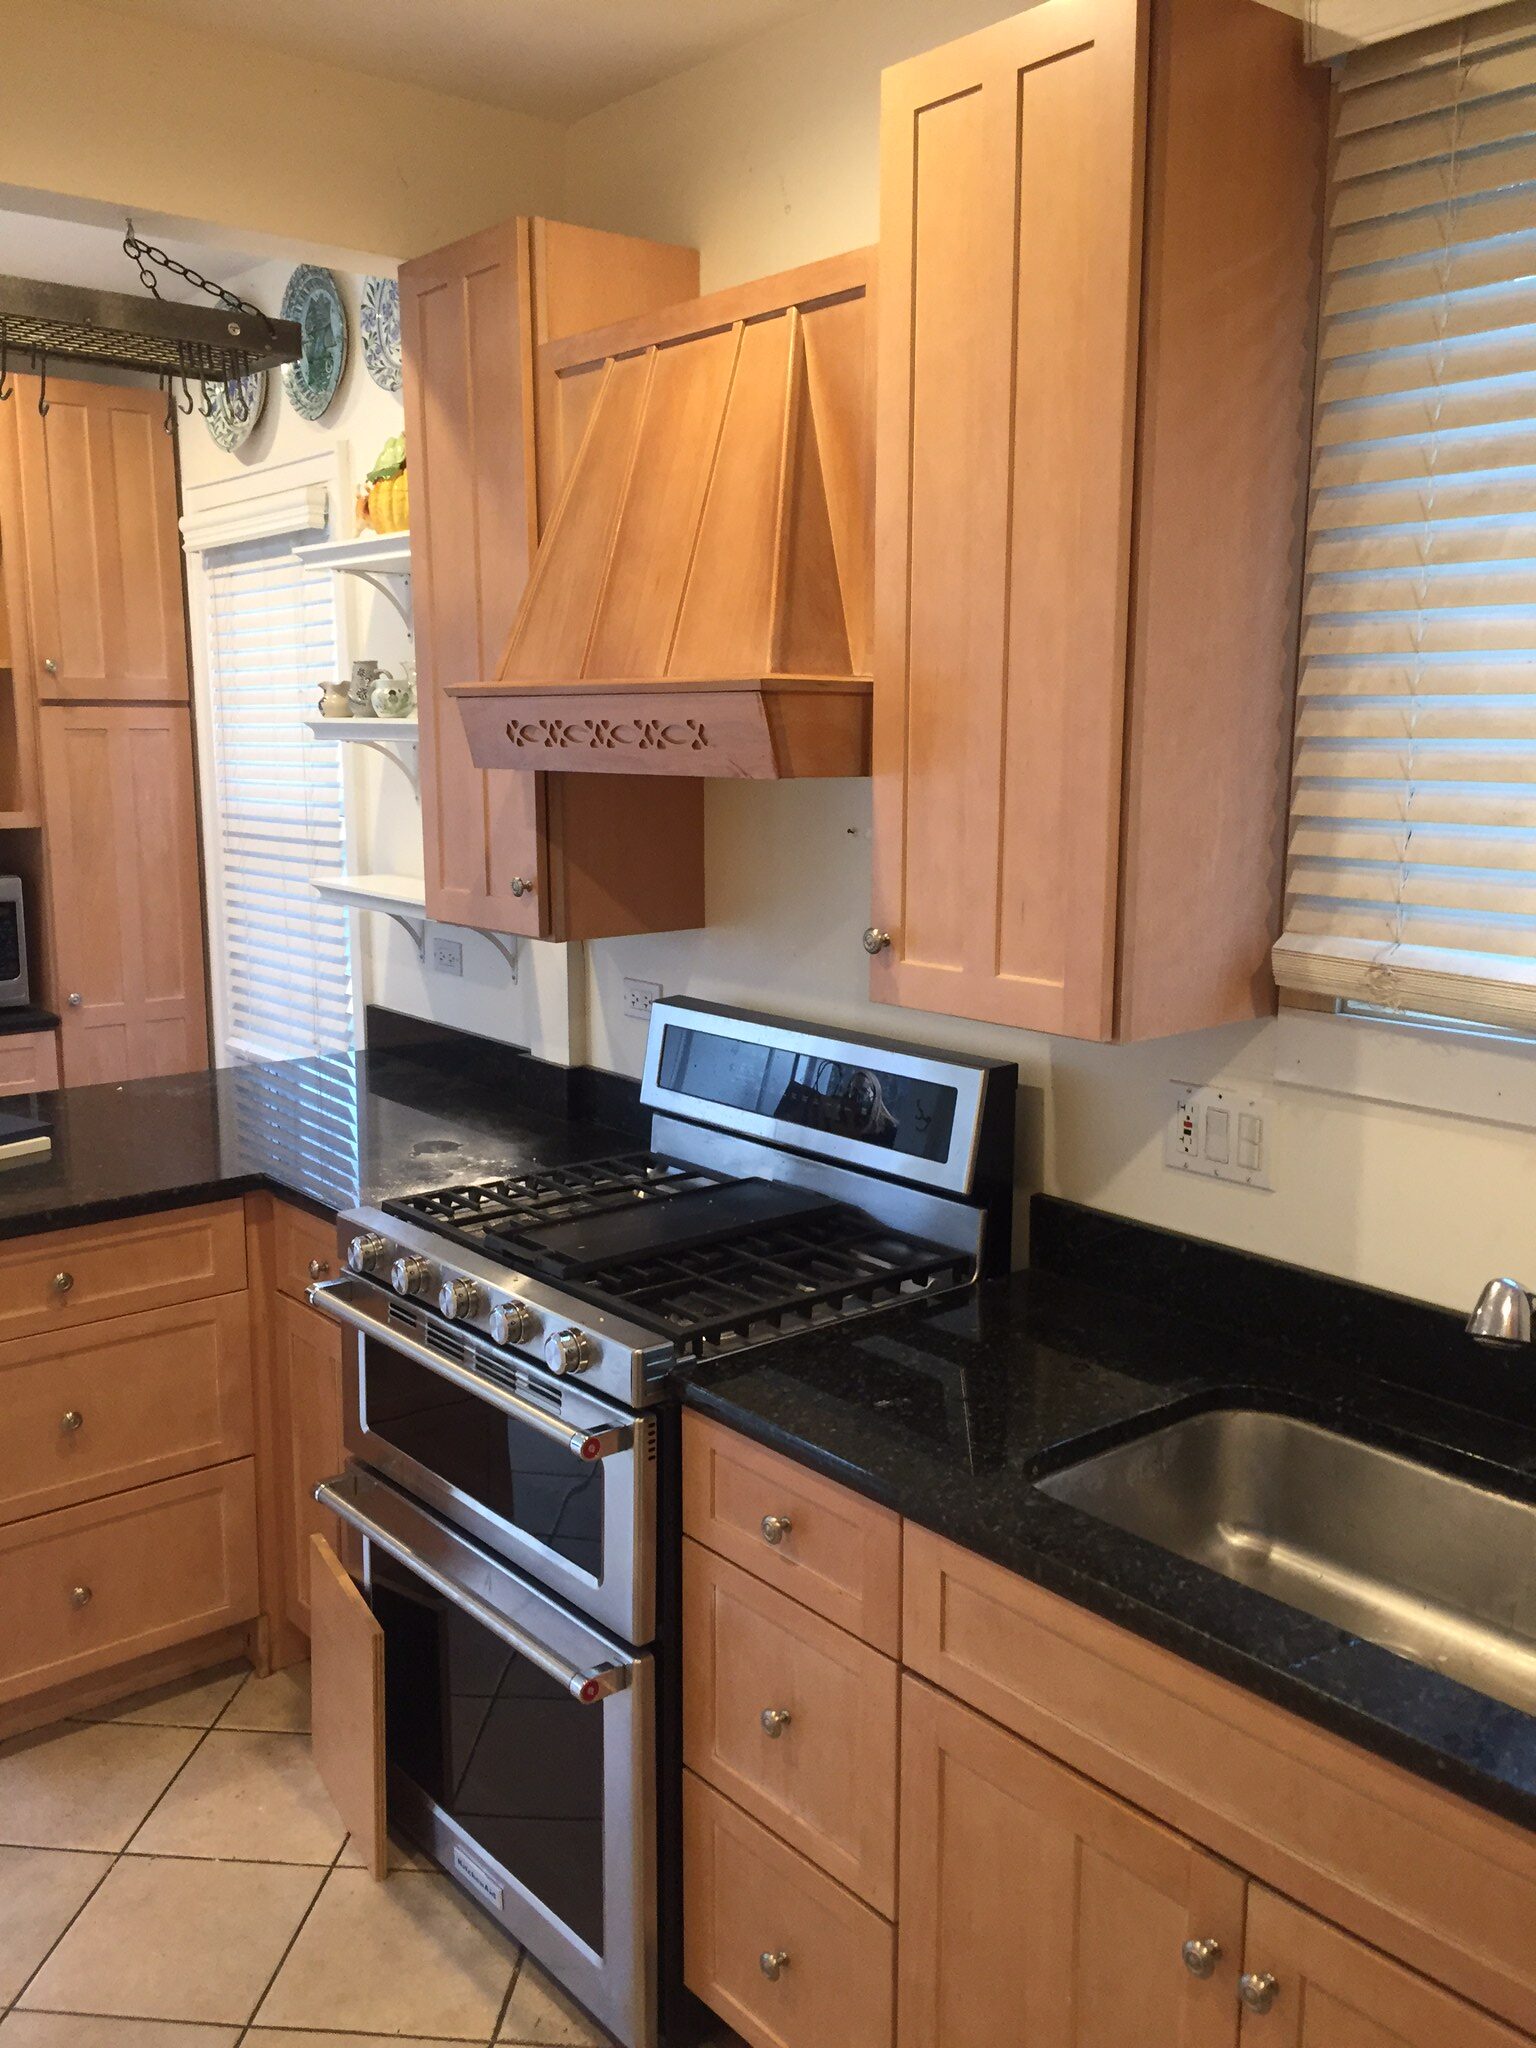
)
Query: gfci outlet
[
  {"x": 447, "y": 956},
  {"x": 638, "y": 998},
  {"x": 1220, "y": 1134}
]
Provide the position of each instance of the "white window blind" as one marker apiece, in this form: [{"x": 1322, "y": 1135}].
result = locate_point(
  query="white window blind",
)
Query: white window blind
[
  {"x": 1411, "y": 881},
  {"x": 284, "y": 953}
]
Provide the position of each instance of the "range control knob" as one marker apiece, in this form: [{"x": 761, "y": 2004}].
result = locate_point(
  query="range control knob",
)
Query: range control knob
[
  {"x": 568, "y": 1351},
  {"x": 459, "y": 1300},
  {"x": 512, "y": 1322},
  {"x": 367, "y": 1253},
  {"x": 412, "y": 1275}
]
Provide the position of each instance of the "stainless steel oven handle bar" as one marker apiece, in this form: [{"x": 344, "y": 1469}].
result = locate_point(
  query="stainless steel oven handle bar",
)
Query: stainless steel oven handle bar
[
  {"x": 335, "y": 1298},
  {"x": 587, "y": 1686}
]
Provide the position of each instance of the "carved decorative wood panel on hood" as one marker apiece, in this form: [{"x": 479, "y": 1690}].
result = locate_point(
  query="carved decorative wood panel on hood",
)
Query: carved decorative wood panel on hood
[{"x": 700, "y": 600}]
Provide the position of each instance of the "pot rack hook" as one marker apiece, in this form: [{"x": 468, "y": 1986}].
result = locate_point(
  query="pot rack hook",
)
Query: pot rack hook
[
  {"x": 186, "y": 408},
  {"x": 42, "y": 383},
  {"x": 168, "y": 424},
  {"x": 206, "y": 407},
  {"x": 6, "y": 386}
]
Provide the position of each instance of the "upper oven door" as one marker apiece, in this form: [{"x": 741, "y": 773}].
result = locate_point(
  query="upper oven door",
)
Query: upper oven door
[{"x": 551, "y": 1477}]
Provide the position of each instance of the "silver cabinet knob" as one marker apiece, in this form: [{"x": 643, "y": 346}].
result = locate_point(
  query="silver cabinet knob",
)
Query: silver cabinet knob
[
  {"x": 568, "y": 1351},
  {"x": 1258, "y": 1990},
  {"x": 876, "y": 940},
  {"x": 318, "y": 1268},
  {"x": 521, "y": 886},
  {"x": 365, "y": 1253},
  {"x": 773, "y": 1962},
  {"x": 80, "y": 1596},
  {"x": 50, "y": 666},
  {"x": 75, "y": 1000},
  {"x": 775, "y": 1720},
  {"x": 459, "y": 1300},
  {"x": 411, "y": 1276},
  {"x": 1201, "y": 1957},
  {"x": 512, "y": 1322},
  {"x": 776, "y": 1528},
  {"x": 62, "y": 1282},
  {"x": 71, "y": 1420}
]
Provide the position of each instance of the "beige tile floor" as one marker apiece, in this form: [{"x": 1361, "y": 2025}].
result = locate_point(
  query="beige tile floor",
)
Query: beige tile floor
[{"x": 172, "y": 1875}]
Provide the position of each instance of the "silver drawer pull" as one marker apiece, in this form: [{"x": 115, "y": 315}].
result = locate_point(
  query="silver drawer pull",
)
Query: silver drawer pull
[
  {"x": 776, "y": 1528},
  {"x": 1201, "y": 1957},
  {"x": 63, "y": 1282},
  {"x": 318, "y": 1268},
  {"x": 773, "y": 1962},
  {"x": 71, "y": 1419},
  {"x": 80, "y": 1596},
  {"x": 1258, "y": 1991},
  {"x": 775, "y": 1720},
  {"x": 338, "y": 1299}
]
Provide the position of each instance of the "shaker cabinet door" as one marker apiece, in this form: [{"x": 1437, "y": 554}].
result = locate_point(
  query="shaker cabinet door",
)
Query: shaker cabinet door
[
  {"x": 308, "y": 1376},
  {"x": 1035, "y": 1907},
  {"x": 102, "y": 544},
  {"x": 1009, "y": 275},
  {"x": 125, "y": 890}
]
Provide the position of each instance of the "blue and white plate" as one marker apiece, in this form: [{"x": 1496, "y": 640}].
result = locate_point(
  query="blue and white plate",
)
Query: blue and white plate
[
  {"x": 380, "y": 321},
  {"x": 313, "y": 300},
  {"x": 232, "y": 410}
]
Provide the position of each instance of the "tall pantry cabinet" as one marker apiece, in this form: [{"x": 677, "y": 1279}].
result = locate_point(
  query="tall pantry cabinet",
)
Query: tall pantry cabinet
[
  {"x": 1100, "y": 223},
  {"x": 98, "y": 654}
]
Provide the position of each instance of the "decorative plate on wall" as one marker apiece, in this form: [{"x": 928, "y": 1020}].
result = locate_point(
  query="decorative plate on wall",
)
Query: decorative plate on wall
[
  {"x": 380, "y": 322},
  {"x": 233, "y": 409},
  {"x": 313, "y": 300}
]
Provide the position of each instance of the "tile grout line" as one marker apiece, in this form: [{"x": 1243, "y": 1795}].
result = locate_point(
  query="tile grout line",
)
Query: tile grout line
[{"x": 277, "y": 1969}]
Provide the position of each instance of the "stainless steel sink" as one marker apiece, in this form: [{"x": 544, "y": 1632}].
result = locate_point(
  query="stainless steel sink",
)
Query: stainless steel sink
[{"x": 1430, "y": 1566}]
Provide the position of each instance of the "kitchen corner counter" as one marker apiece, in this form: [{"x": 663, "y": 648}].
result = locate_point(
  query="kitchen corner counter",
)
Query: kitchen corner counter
[
  {"x": 329, "y": 1133},
  {"x": 949, "y": 1412}
]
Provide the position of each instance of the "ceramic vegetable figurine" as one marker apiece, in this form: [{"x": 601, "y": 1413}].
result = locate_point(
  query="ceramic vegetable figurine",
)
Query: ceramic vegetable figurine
[{"x": 384, "y": 501}]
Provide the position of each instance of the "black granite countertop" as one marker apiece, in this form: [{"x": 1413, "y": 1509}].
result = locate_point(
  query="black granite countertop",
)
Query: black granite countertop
[
  {"x": 329, "y": 1133},
  {"x": 949, "y": 1413}
]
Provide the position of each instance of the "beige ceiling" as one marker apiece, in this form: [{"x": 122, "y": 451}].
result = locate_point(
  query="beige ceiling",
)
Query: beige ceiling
[{"x": 558, "y": 58}]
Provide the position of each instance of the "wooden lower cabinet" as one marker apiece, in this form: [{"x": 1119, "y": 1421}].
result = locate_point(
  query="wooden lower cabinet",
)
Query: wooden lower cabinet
[
  {"x": 307, "y": 1378},
  {"x": 1035, "y": 1907},
  {"x": 29, "y": 1061},
  {"x": 1332, "y": 1991}
]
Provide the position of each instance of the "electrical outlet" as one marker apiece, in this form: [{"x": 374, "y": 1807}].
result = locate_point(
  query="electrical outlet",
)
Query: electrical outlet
[
  {"x": 638, "y": 998},
  {"x": 447, "y": 956},
  {"x": 1220, "y": 1134}
]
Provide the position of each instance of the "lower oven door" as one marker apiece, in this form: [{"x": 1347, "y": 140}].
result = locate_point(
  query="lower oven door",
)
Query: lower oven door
[
  {"x": 521, "y": 1750},
  {"x": 557, "y": 1480}
]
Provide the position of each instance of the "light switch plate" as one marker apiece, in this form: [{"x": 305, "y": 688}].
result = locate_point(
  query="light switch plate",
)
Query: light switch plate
[{"x": 1220, "y": 1134}]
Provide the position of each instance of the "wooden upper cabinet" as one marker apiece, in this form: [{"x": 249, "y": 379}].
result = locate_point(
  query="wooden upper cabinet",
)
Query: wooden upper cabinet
[
  {"x": 1036, "y": 1907},
  {"x": 124, "y": 894},
  {"x": 504, "y": 853},
  {"x": 101, "y": 543},
  {"x": 1099, "y": 227}
]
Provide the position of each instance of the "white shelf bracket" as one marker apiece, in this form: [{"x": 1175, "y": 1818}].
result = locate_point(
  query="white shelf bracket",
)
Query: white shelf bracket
[
  {"x": 415, "y": 929},
  {"x": 505, "y": 946},
  {"x": 406, "y": 760},
  {"x": 393, "y": 585}
]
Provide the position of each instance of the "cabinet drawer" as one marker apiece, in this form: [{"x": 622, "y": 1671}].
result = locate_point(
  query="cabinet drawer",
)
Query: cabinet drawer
[
  {"x": 93, "y": 1586},
  {"x": 29, "y": 1060},
  {"x": 140, "y": 1398},
  {"x": 746, "y": 1896},
  {"x": 826, "y": 1781},
  {"x": 304, "y": 1249},
  {"x": 71, "y": 1277},
  {"x": 838, "y": 1554}
]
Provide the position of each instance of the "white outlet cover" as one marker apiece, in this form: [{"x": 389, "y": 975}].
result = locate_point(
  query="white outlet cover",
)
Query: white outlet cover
[
  {"x": 638, "y": 998},
  {"x": 446, "y": 955},
  {"x": 1236, "y": 1146}
]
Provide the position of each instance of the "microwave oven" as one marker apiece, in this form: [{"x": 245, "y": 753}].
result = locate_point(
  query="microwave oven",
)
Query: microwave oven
[{"x": 13, "y": 944}]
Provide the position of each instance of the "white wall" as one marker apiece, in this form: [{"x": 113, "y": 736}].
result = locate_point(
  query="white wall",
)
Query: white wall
[
  {"x": 384, "y": 818},
  {"x": 767, "y": 157}
]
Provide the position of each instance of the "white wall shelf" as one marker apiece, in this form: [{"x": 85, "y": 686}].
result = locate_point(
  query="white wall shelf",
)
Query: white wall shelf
[
  {"x": 381, "y": 560},
  {"x": 393, "y": 739},
  {"x": 404, "y": 898}
]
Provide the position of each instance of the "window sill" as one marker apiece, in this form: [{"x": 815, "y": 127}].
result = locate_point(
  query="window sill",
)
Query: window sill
[{"x": 1445, "y": 1069}]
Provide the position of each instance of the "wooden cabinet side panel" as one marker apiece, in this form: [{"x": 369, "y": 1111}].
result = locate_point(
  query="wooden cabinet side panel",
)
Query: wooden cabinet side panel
[
  {"x": 1035, "y": 1906},
  {"x": 1010, "y": 230},
  {"x": 20, "y": 796},
  {"x": 1448, "y": 1888},
  {"x": 1236, "y": 161},
  {"x": 308, "y": 1374}
]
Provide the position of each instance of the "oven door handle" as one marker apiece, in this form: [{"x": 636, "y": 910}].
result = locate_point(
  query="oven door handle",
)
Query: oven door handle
[
  {"x": 336, "y": 1299},
  {"x": 586, "y": 1686}
]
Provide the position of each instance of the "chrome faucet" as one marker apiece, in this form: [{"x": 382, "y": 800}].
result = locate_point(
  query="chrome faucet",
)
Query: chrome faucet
[{"x": 1502, "y": 1318}]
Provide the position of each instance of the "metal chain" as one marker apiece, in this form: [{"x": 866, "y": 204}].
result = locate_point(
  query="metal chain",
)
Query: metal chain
[{"x": 146, "y": 254}]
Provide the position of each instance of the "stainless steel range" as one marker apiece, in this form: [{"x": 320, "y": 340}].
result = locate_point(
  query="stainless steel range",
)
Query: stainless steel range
[{"x": 513, "y": 1437}]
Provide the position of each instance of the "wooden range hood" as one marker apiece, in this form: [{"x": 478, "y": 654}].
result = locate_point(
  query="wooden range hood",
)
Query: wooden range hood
[{"x": 699, "y": 604}]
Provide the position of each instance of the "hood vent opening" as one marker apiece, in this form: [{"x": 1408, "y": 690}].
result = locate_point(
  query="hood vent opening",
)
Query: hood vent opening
[{"x": 699, "y": 604}]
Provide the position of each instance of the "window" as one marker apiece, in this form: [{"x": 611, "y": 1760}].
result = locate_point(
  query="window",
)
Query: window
[
  {"x": 282, "y": 956},
  {"x": 1411, "y": 883}
]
